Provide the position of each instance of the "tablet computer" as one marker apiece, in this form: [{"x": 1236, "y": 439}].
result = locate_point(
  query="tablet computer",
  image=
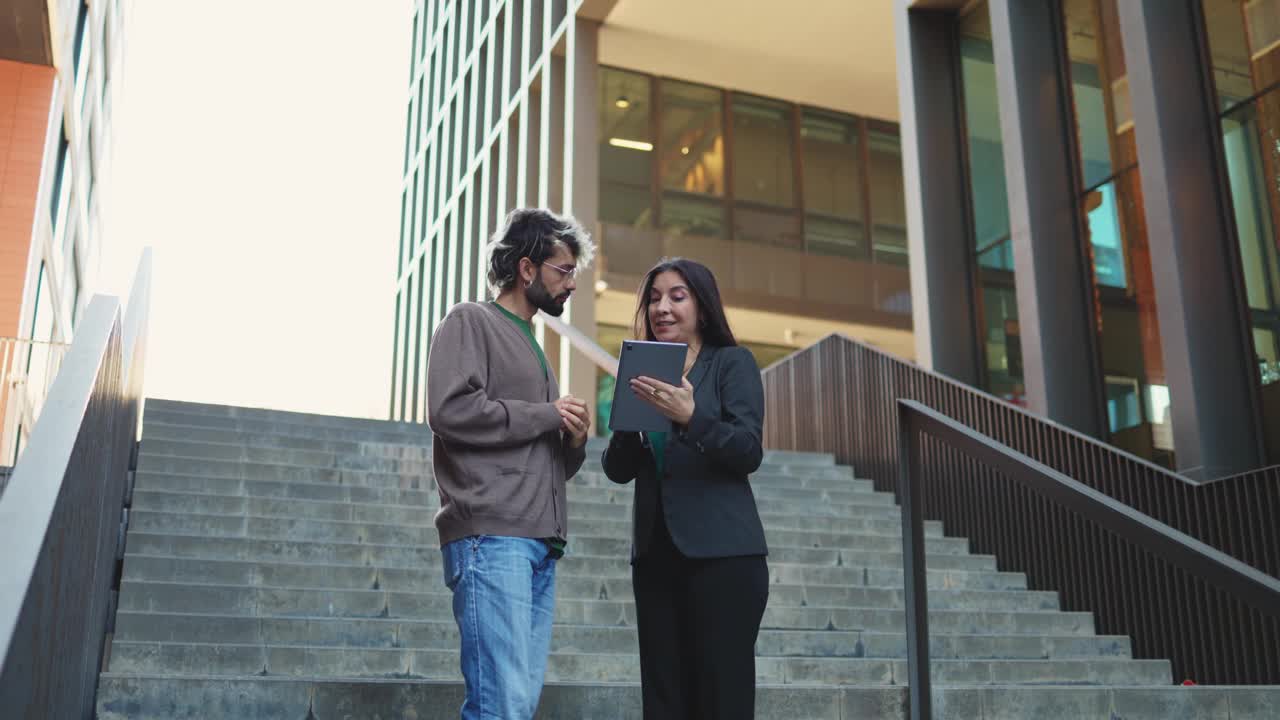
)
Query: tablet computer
[{"x": 661, "y": 360}]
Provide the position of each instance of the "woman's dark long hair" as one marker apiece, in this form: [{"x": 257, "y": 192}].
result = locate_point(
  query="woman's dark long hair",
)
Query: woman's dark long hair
[{"x": 713, "y": 326}]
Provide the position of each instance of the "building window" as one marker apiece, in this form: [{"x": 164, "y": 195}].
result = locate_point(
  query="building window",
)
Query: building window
[
  {"x": 773, "y": 197},
  {"x": 764, "y": 173},
  {"x": 626, "y": 148},
  {"x": 691, "y": 160},
  {"x": 64, "y": 153},
  {"x": 997, "y": 290},
  {"x": 692, "y": 150},
  {"x": 1115, "y": 230},
  {"x": 888, "y": 198},
  {"x": 82, "y": 33},
  {"x": 1244, "y": 49},
  {"x": 763, "y": 167},
  {"x": 834, "y": 201}
]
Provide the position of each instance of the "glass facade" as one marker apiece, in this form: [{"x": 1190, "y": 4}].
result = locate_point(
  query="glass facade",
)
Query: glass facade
[
  {"x": 1137, "y": 393},
  {"x": 626, "y": 168},
  {"x": 831, "y": 151},
  {"x": 794, "y": 208},
  {"x": 888, "y": 201},
  {"x": 1244, "y": 48},
  {"x": 480, "y": 140},
  {"x": 993, "y": 250}
]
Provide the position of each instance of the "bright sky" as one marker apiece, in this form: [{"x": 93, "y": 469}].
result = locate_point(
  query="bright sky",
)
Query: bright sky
[{"x": 258, "y": 150}]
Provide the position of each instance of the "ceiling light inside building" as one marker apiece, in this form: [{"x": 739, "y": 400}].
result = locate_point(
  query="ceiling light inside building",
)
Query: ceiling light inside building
[
  {"x": 631, "y": 144},
  {"x": 622, "y": 103},
  {"x": 684, "y": 150},
  {"x": 601, "y": 286}
]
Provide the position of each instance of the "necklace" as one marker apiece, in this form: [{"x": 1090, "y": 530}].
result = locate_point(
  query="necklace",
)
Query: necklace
[{"x": 689, "y": 362}]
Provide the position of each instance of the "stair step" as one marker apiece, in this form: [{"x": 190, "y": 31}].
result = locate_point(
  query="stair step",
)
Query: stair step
[
  {"x": 163, "y": 697},
  {"x": 225, "y": 658},
  {"x": 286, "y": 565},
  {"x": 259, "y": 463},
  {"x": 580, "y": 577},
  {"x": 392, "y": 558},
  {"x": 268, "y": 504},
  {"x": 232, "y": 461},
  {"x": 390, "y": 433},
  {"x": 592, "y": 579},
  {"x": 181, "y": 421},
  {"x": 616, "y": 541},
  {"x": 421, "y": 492},
  {"x": 436, "y": 604},
  {"x": 443, "y": 634},
  {"x": 590, "y": 488},
  {"x": 210, "y": 410},
  {"x": 409, "y": 575},
  {"x": 297, "y": 524}
]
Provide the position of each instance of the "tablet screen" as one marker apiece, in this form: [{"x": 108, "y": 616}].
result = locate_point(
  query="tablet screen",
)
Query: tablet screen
[{"x": 660, "y": 360}]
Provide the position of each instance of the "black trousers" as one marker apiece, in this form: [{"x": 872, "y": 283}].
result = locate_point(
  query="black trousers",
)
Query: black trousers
[{"x": 698, "y": 621}]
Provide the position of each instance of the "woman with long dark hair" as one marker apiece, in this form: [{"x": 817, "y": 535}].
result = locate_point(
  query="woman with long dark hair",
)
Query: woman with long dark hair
[{"x": 698, "y": 549}]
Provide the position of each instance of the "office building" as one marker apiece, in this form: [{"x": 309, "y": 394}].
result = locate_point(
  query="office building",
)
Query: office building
[
  {"x": 770, "y": 168},
  {"x": 1108, "y": 175},
  {"x": 1107, "y": 259},
  {"x": 59, "y": 69}
]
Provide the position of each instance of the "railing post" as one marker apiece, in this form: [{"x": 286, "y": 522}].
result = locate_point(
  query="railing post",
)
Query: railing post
[{"x": 916, "y": 582}]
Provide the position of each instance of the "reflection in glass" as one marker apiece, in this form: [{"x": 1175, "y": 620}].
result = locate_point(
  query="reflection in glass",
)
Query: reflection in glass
[
  {"x": 626, "y": 148},
  {"x": 801, "y": 205},
  {"x": 1244, "y": 47},
  {"x": 1093, "y": 124},
  {"x": 988, "y": 198},
  {"x": 766, "y": 227},
  {"x": 692, "y": 141},
  {"x": 823, "y": 236},
  {"x": 833, "y": 197},
  {"x": 987, "y": 190},
  {"x": 1115, "y": 227},
  {"x": 832, "y": 180},
  {"x": 763, "y": 167},
  {"x": 684, "y": 214},
  {"x": 1124, "y": 410},
  {"x": 1104, "y": 233},
  {"x": 1002, "y": 342},
  {"x": 1254, "y": 224},
  {"x": 888, "y": 202},
  {"x": 1228, "y": 51},
  {"x": 625, "y": 205}
]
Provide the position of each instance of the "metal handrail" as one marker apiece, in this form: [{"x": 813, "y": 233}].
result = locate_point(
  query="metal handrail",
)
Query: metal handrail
[
  {"x": 1233, "y": 577},
  {"x": 589, "y": 348},
  {"x": 62, "y": 515}
]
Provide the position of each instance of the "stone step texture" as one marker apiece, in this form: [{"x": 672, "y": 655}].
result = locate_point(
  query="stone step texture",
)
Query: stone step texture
[{"x": 285, "y": 565}]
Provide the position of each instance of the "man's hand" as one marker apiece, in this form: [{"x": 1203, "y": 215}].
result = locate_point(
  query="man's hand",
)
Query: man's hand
[{"x": 576, "y": 419}]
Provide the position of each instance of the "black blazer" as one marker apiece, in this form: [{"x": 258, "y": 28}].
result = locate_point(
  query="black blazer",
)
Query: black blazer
[{"x": 706, "y": 497}]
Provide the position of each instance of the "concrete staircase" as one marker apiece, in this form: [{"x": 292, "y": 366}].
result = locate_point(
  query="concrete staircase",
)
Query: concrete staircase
[{"x": 282, "y": 565}]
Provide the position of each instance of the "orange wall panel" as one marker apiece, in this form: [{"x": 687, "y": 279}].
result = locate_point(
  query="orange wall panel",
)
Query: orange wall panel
[{"x": 26, "y": 92}]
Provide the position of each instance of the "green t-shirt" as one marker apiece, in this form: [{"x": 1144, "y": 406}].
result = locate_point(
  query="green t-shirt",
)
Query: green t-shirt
[
  {"x": 658, "y": 441},
  {"x": 527, "y": 328}
]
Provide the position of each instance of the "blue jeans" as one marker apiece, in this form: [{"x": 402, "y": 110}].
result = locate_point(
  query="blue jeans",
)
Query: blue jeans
[{"x": 504, "y": 592}]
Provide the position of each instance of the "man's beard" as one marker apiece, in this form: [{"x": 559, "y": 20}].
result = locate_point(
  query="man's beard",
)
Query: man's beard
[{"x": 539, "y": 297}]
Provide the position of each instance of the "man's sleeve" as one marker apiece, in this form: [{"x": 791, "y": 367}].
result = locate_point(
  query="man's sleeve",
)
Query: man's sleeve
[{"x": 458, "y": 405}]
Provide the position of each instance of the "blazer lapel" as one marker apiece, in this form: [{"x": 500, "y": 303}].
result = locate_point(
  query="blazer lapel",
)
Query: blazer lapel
[{"x": 700, "y": 366}]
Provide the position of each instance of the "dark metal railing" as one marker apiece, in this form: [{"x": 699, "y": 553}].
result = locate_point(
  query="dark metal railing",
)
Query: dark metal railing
[
  {"x": 917, "y": 425},
  {"x": 841, "y": 397},
  {"x": 61, "y": 515}
]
